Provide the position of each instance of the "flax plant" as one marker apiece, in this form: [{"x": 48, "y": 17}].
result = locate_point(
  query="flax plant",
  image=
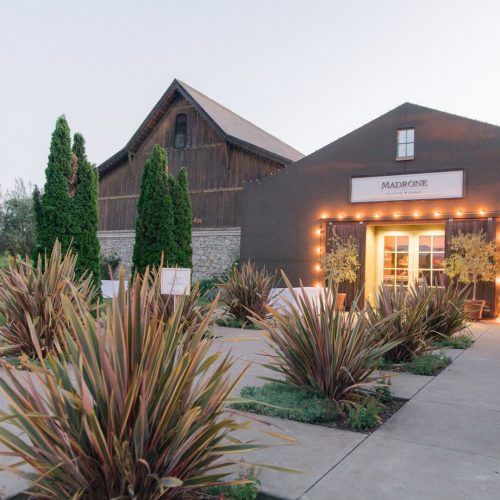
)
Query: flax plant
[
  {"x": 398, "y": 317},
  {"x": 316, "y": 345},
  {"x": 32, "y": 295},
  {"x": 247, "y": 291},
  {"x": 136, "y": 409}
]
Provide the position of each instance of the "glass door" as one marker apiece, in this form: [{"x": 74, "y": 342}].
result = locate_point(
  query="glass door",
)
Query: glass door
[{"x": 406, "y": 256}]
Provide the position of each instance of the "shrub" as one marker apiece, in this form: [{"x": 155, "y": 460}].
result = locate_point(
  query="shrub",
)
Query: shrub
[
  {"x": 401, "y": 319},
  {"x": 248, "y": 490},
  {"x": 247, "y": 291},
  {"x": 456, "y": 342},
  {"x": 33, "y": 296},
  {"x": 365, "y": 416},
  {"x": 428, "y": 364},
  {"x": 342, "y": 263},
  {"x": 445, "y": 314},
  {"x": 108, "y": 261},
  {"x": 317, "y": 346},
  {"x": 135, "y": 410}
]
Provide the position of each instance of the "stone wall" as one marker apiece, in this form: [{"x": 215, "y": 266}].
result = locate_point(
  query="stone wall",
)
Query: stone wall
[{"x": 214, "y": 250}]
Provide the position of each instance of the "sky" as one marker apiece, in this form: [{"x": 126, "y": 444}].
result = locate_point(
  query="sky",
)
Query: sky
[{"x": 306, "y": 71}]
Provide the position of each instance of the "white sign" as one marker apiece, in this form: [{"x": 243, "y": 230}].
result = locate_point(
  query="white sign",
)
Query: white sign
[
  {"x": 429, "y": 186},
  {"x": 175, "y": 281}
]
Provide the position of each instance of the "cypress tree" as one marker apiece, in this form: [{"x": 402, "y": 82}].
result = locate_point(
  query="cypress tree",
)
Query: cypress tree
[
  {"x": 154, "y": 221},
  {"x": 37, "y": 211},
  {"x": 55, "y": 221},
  {"x": 85, "y": 213},
  {"x": 183, "y": 216}
]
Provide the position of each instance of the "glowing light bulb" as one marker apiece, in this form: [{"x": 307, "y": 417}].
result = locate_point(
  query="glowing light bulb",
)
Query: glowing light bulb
[
  {"x": 341, "y": 216},
  {"x": 482, "y": 212},
  {"x": 318, "y": 268},
  {"x": 377, "y": 216},
  {"x": 459, "y": 212},
  {"x": 416, "y": 213},
  {"x": 437, "y": 214},
  {"x": 323, "y": 216},
  {"x": 396, "y": 214},
  {"x": 318, "y": 250},
  {"x": 358, "y": 216},
  {"x": 318, "y": 231},
  {"x": 318, "y": 285}
]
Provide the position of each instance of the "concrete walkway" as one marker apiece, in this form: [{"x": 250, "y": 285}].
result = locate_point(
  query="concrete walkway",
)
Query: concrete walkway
[{"x": 443, "y": 444}]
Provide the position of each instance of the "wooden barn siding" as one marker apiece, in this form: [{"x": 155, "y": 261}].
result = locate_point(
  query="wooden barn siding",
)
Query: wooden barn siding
[
  {"x": 357, "y": 232},
  {"x": 211, "y": 165},
  {"x": 485, "y": 290}
]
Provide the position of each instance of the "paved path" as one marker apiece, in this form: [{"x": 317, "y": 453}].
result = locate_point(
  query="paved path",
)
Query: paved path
[{"x": 443, "y": 444}]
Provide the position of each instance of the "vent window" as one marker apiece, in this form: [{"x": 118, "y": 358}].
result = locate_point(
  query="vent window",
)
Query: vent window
[{"x": 180, "y": 131}]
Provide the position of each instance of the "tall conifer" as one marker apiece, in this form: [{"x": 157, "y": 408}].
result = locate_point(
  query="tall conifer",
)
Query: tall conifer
[
  {"x": 85, "y": 213},
  {"x": 56, "y": 217},
  {"x": 154, "y": 221},
  {"x": 183, "y": 216}
]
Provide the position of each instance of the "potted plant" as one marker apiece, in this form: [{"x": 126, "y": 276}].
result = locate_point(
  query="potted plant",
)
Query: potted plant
[
  {"x": 341, "y": 264},
  {"x": 472, "y": 261}
]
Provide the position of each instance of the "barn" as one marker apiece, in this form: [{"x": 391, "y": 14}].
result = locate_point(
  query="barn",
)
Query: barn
[
  {"x": 400, "y": 186},
  {"x": 220, "y": 151}
]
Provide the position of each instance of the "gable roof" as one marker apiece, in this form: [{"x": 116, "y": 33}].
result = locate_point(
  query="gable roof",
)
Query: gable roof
[{"x": 230, "y": 126}]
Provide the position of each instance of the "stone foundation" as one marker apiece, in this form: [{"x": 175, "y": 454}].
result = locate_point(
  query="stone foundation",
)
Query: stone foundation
[{"x": 214, "y": 250}]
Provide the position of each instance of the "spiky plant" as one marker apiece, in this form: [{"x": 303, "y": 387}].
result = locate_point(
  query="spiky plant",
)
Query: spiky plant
[
  {"x": 316, "y": 345},
  {"x": 247, "y": 291},
  {"x": 31, "y": 300},
  {"x": 445, "y": 314},
  {"x": 397, "y": 318},
  {"x": 136, "y": 410}
]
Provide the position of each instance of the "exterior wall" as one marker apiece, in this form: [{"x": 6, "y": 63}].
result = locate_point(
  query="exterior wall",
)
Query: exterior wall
[
  {"x": 282, "y": 214},
  {"x": 214, "y": 250}
]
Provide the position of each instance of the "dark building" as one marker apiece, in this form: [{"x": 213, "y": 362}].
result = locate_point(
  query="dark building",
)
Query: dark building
[
  {"x": 401, "y": 186},
  {"x": 220, "y": 151}
]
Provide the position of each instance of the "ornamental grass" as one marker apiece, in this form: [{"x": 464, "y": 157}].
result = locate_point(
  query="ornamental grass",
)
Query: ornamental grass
[
  {"x": 247, "y": 292},
  {"x": 316, "y": 345},
  {"x": 445, "y": 314},
  {"x": 399, "y": 316},
  {"x": 31, "y": 301},
  {"x": 135, "y": 410}
]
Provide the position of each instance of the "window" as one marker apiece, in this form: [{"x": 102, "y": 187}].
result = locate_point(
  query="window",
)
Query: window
[
  {"x": 406, "y": 144},
  {"x": 396, "y": 260},
  {"x": 180, "y": 131},
  {"x": 431, "y": 259}
]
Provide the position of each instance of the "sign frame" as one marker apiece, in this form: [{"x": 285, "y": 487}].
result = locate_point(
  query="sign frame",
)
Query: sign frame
[
  {"x": 176, "y": 281},
  {"x": 406, "y": 174}
]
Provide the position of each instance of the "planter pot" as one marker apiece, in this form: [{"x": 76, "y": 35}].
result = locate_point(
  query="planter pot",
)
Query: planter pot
[
  {"x": 474, "y": 309},
  {"x": 340, "y": 302}
]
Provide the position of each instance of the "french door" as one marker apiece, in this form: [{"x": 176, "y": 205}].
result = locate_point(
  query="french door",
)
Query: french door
[{"x": 406, "y": 256}]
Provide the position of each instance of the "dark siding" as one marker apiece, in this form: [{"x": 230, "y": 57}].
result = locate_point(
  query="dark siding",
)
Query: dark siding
[{"x": 216, "y": 172}]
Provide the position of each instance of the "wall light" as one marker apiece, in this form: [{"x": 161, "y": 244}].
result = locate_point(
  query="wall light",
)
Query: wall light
[
  {"x": 318, "y": 231},
  {"x": 318, "y": 267},
  {"x": 437, "y": 214},
  {"x": 459, "y": 212},
  {"x": 482, "y": 212},
  {"x": 396, "y": 214},
  {"x": 341, "y": 216},
  {"x": 377, "y": 216},
  {"x": 416, "y": 213},
  {"x": 358, "y": 216},
  {"x": 318, "y": 285},
  {"x": 318, "y": 250},
  {"x": 323, "y": 216}
]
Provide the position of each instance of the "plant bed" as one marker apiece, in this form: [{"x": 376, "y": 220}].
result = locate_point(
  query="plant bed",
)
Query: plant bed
[
  {"x": 304, "y": 405},
  {"x": 18, "y": 361},
  {"x": 236, "y": 323},
  {"x": 456, "y": 342},
  {"x": 426, "y": 364},
  {"x": 245, "y": 491}
]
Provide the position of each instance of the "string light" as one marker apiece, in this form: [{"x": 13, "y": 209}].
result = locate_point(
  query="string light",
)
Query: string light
[
  {"x": 358, "y": 216},
  {"x": 482, "y": 212},
  {"x": 437, "y": 214},
  {"x": 377, "y": 216},
  {"x": 459, "y": 212},
  {"x": 341, "y": 216},
  {"x": 396, "y": 214},
  {"x": 416, "y": 213}
]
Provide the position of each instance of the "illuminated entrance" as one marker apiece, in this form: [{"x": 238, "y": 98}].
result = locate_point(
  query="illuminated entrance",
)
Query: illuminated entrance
[{"x": 402, "y": 254}]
